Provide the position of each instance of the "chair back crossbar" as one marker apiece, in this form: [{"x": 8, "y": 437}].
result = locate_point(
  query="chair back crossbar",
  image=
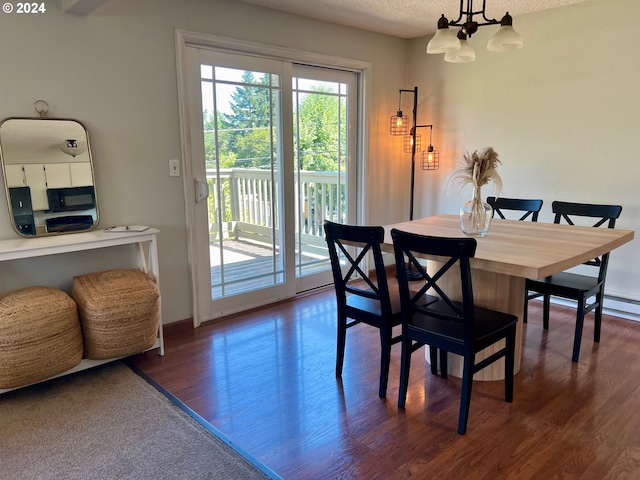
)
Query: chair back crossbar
[
  {"x": 459, "y": 254},
  {"x": 602, "y": 213},
  {"x": 530, "y": 207}
]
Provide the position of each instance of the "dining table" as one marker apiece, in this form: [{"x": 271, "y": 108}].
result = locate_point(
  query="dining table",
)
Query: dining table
[{"x": 511, "y": 252}]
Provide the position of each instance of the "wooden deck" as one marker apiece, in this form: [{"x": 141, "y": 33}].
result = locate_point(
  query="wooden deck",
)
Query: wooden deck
[{"x": 250, "y": 265}]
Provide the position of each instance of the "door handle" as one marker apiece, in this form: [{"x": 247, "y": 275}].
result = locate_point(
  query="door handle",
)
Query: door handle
[{"x": 201, "y": 190}]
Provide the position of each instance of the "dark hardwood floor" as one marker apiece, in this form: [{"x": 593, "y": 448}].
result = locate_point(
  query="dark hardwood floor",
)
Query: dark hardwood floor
[{"x": 266, "y": 380}]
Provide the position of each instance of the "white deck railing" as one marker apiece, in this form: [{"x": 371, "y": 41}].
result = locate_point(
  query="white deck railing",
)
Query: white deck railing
[{"x": 246, "y": 199}]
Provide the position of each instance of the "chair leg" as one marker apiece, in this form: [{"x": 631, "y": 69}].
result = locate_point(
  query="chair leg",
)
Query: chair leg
[
  {"x": 385, "y": 343},
  {"x": 579, "y": 325},
  {"x": 342, "y": 336},
  {"x": 444, "y": 363},
  {"x": 598, "y": 316},
  {"x": 546, "y": 304},
  {"x": 405, "y": 365},
  {"x": 509, "y": 362},
  {"x": 433, "y": 359},
  {"x": 465, "y": 396}
]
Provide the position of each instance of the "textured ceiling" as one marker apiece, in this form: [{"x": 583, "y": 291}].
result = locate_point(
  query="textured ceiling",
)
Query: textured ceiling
[{"x": 402, "y": 18}]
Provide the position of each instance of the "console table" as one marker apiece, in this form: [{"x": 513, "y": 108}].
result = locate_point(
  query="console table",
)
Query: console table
[{"x": 147, "y": 260}]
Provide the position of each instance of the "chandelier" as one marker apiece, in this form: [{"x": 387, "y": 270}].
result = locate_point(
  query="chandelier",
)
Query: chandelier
[{"x": 455, "y": 47}]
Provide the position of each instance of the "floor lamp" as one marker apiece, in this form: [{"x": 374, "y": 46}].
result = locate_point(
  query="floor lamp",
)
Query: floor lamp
[
  {"x": 412, "y": 141},
  {"x": 412, "y": 144}
]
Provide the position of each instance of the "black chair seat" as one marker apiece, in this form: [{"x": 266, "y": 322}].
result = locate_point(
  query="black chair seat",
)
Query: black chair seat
[
  {"x": 488, "y": 327},
  {"x": 564, "y": 284},
  {"x": 372, "y": 306}
]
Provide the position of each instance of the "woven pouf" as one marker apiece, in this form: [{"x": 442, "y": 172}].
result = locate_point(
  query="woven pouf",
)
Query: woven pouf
[
  {"x": 119, "y": 312},
  {"x": 40, "y": 335}
]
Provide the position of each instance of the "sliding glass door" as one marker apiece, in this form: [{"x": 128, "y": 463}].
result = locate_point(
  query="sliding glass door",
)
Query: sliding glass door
[{"x": 270, "y": 143}]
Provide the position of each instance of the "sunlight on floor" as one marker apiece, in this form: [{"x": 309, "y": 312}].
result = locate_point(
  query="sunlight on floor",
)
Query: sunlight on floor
[{"x": 229, "y": 256}]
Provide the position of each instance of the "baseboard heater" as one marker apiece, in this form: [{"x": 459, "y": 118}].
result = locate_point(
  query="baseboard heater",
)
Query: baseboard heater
[{"x": 613, "y": 305}]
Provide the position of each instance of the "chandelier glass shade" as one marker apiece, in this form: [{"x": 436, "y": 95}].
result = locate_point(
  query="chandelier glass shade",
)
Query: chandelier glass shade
[
  {"x": 506, "y": 39},
  {"x": 465, "y": 54},
  {"x": 445, "y": 40}
]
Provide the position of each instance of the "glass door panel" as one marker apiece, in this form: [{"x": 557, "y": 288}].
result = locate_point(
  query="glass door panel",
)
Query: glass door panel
[
  {"x": 322, "y": 112},
  {"x": 241, "y": 111}
]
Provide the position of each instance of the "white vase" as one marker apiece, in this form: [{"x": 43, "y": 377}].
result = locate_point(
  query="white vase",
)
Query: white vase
[{"x": 476, "y": 215}]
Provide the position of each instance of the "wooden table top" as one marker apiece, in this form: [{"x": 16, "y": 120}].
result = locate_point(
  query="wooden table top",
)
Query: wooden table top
[{"x": 523, "y": 249}]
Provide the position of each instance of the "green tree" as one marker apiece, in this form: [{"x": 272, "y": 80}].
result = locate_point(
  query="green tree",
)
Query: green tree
[
  {"x": 243, "y": 135},
  {"x": 322, "y": 133},
  {"x": 246, "y": 130},
  {"x": 227, "y": 157}
]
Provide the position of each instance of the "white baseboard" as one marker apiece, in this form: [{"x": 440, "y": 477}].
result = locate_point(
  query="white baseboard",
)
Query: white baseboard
[{"x": 622, "y": 307}]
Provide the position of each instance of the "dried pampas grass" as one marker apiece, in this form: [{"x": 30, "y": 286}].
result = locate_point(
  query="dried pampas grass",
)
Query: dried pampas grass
[{"x": 477, "y": 169}]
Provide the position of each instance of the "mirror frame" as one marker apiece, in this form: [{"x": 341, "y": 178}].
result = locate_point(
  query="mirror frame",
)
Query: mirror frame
[{"x": 3, "y": 164}]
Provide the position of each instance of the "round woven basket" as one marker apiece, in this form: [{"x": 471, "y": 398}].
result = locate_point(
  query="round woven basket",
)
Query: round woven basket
[
  {"x": 119, "y": 312},
  {"x": 40, "y": 335}
]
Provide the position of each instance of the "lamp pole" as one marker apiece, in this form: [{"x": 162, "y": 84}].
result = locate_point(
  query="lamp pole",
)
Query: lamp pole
[
  {"x": 413, "y": 133},
  {"x": 413, "y": 148},
  {"x": 399, "y": 124},
  {"x": 412, "y": 274}
]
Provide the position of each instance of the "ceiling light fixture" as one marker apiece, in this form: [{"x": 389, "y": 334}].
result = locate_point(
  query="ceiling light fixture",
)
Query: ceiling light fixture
[
  {"x": 70, "y": 147},
  {"x": 455, "y": 46}
]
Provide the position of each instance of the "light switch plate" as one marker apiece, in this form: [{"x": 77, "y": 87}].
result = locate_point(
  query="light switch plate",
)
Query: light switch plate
[{"x": 174, "y": 168}]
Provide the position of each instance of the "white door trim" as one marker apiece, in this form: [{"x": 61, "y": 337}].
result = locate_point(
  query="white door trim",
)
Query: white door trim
[{"x": 185, "y": 39}]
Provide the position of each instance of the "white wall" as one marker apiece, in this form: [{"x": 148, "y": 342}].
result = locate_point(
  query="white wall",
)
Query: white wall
[
  {"x": 561, "y": 112},
  {"x": 114, "y": 70}
]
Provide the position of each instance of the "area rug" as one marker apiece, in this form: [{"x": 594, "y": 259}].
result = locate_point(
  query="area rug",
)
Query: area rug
[{"x": 109, "y": 423}]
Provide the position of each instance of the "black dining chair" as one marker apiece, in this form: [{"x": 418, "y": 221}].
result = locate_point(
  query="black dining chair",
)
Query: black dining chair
[
  {"x": 574, "y": 286},
  {"x": 362, "y": 296},
  {"x": 449, "y": 325},
  {"x": 530, "y": 207}
]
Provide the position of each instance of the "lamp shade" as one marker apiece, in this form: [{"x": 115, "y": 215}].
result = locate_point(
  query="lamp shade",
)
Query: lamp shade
[
  {"x": 399, "y": 124},
  {"x": 465, "y": 54},
  {"x": 407, "y": 142},
  {"x": 445, "y": 40},
  {"x": 430, "y": 159},
  {"x": 505, "y": 39}
]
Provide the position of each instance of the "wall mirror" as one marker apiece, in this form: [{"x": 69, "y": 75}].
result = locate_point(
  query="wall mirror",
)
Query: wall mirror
[{"x": 48, "y": 176}]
